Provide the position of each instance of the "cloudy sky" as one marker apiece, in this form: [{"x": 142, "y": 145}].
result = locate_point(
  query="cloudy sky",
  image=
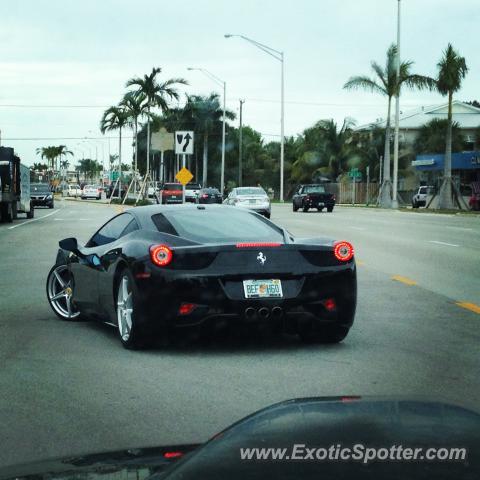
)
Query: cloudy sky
[{"x": 63, "y": 62}]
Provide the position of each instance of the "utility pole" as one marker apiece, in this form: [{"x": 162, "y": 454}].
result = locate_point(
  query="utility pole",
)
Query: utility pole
[
  {"x": 397, "y": 118},
  {"x": 240, "y": 147}
]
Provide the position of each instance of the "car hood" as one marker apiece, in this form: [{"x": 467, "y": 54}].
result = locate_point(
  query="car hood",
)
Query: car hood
[{"x": 312, "y": 422}]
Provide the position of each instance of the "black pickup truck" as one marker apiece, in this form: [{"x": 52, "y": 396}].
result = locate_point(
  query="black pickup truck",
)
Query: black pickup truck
[{"x": 313, "y": 196}]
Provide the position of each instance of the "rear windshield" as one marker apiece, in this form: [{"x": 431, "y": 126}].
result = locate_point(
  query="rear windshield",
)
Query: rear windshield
[
  {"x": 172, "y": 186},
  {"x": 40, "y": 187},
  {"x": 193, "y": 186},
  {"x": 423, "y": 190},
  {"x": 224, "y": 225},
  {"x": 211, "y": 190},
  {"x": 315, "y": 189},
  {"x": 251, "y": 191}
]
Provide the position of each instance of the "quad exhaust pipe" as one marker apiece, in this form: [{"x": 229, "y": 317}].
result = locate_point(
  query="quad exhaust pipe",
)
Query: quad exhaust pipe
[{"x": 263, "y": 313}]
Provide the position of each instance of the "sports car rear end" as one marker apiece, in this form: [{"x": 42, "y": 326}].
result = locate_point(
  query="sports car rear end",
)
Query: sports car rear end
[{"x": 293, "y": 285}]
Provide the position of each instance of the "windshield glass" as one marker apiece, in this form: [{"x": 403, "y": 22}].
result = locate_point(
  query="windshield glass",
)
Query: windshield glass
[
  {"x": 219, "y": 225},
  {"x": 40, "y": 187},
  {"x": 172, "y": 186},
  {"x": 315, "y": 189},
  {"x": 251, "y": 191}
]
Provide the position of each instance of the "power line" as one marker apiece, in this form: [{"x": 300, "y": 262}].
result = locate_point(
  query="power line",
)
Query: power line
[{"x": 63, "y": 138}]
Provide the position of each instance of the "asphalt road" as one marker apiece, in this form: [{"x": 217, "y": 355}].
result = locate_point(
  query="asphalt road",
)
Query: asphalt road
[{"x": 70, "y": 388}]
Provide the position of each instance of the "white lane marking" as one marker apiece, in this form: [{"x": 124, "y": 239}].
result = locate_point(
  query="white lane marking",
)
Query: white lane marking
[
  {"x": 464, "y": 229},
  {"x": 357, "y": 228},
  {"x": 33, "y": 220},
  {"x": 443, "y": 243}
]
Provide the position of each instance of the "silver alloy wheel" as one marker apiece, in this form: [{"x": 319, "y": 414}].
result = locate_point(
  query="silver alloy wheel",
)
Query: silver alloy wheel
[
  {"x": 124, "y": 308},
  {"x": 60, "y": 292}
]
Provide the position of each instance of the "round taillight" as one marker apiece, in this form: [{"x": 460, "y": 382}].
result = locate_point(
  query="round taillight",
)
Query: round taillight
[
  {"x": 161, "y": 255},
  {"x": 343, "y": 251}
]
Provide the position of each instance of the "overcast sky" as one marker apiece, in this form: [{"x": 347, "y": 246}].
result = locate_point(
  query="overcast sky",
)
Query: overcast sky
[{"x": 80, "y": 53}]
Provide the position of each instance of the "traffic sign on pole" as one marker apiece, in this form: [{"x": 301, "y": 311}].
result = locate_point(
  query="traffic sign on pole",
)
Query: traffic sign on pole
[
  {"x": 184, "y": 176},
  {"x": 184, "y": 143}
]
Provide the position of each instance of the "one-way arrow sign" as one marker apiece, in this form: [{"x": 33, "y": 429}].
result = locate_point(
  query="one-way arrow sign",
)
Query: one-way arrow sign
[{"x": 184, "y": 143}]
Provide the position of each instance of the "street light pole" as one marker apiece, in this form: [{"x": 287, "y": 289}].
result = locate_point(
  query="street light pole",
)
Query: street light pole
[
  {"x": 282, "y": 132},
  {"x": 280, "y": 57},
  {"x": 240, "y": 147},
  {"x": 397, "y": 117},
  {"x": 222, "y": 83}
]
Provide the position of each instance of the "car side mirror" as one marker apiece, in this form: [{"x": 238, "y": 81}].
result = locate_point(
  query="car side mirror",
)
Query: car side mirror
[{"x": 69, "y": 244}]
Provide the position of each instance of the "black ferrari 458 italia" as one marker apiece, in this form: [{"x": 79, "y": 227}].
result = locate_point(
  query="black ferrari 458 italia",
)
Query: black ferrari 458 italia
[{"x": 153, "y": 270}]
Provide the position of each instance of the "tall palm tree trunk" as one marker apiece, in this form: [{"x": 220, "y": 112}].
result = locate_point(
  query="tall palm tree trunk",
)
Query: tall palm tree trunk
[
  {"x": 445, "y": 198},
  {"x": 205, "y": 160},
  {"x": 385, "y": 195}
]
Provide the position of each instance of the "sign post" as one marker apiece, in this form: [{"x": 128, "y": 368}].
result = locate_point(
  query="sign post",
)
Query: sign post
[
  {"x": 368, "y": 186},
  {"x": 162, "y": 141},
  {"x": 354, "y": 173},
  {"x": 184, "y": 146}
]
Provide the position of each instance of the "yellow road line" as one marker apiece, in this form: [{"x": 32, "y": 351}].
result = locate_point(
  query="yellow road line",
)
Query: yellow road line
[
  {"x": 405, "y": 280},
  {"x": 469, "y": 306},
  {"x": 360, "y": 263}
]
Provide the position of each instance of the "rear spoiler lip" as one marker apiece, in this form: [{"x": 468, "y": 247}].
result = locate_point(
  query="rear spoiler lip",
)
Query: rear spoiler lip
[{"x": 232, "y": 247}]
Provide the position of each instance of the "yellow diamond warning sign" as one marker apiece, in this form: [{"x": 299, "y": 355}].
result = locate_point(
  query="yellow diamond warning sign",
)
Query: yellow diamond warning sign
[{"x": 184, "y": 176}]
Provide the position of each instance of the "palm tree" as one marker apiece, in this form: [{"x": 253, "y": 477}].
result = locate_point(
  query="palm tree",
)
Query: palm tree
[
  {"x": 207, "y": 113},
  {"x": 135, "y": 106},
  {"x": 387, "y": 84},
  {"x": 115, "y": 118},
  {"x": 49, "y": 154},
  {"x": 156, "y": 95},
  {"x": 335, "y": 144},
  {"x": 431, "y": 137},
  {"x": 452, "y": 69}
]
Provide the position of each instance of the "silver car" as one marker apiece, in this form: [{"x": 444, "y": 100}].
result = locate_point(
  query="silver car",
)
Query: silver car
[{"x": 253, "y": 198}]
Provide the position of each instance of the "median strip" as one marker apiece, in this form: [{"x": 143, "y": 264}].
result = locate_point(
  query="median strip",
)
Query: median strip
[
  {"x": 469, "y": 306},
  {"x": 405, "y": 280}
]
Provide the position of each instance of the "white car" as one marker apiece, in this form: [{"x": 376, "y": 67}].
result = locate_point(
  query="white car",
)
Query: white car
[
  {"x": 253, "y": 198},
  {"x": 191, "y": 192},
  {"x": 420, "y": 198},
  {"x": 72, "y": 190},
  {"x": 91, "y": 191}
]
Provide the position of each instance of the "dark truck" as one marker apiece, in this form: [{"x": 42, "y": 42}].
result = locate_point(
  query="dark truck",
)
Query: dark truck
[
  {"x": 313, "y": 196},
  {"x": 14, "y": 186}
]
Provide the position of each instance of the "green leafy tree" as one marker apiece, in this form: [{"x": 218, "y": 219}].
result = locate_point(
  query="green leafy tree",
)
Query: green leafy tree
[
  {"x": 156, "y": 95},
  {"x": 135, "y": 106},
  {"x": 431, "y": 137},
  {"x": 386, "y": 83},
  {"x": 452, "y": 69},
  {"x": 115, "y": 118},
  {"x": 207, "y": 114}
]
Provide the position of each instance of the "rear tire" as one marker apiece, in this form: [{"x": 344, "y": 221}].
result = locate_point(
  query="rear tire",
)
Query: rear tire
[
  {"x": 31, "y": 213},
  {"x": 295, "y": 208},
  {"x": 319, "y": 209},
  {"x": 326, "y": 334},
  {"x": 305, "y": 209},
  {"x": 329, "y": 209},
  {"x": 267, "y": 215}
]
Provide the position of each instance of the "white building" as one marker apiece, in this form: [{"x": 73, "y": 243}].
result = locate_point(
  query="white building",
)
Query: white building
[{"x": 467, "y": 117}]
